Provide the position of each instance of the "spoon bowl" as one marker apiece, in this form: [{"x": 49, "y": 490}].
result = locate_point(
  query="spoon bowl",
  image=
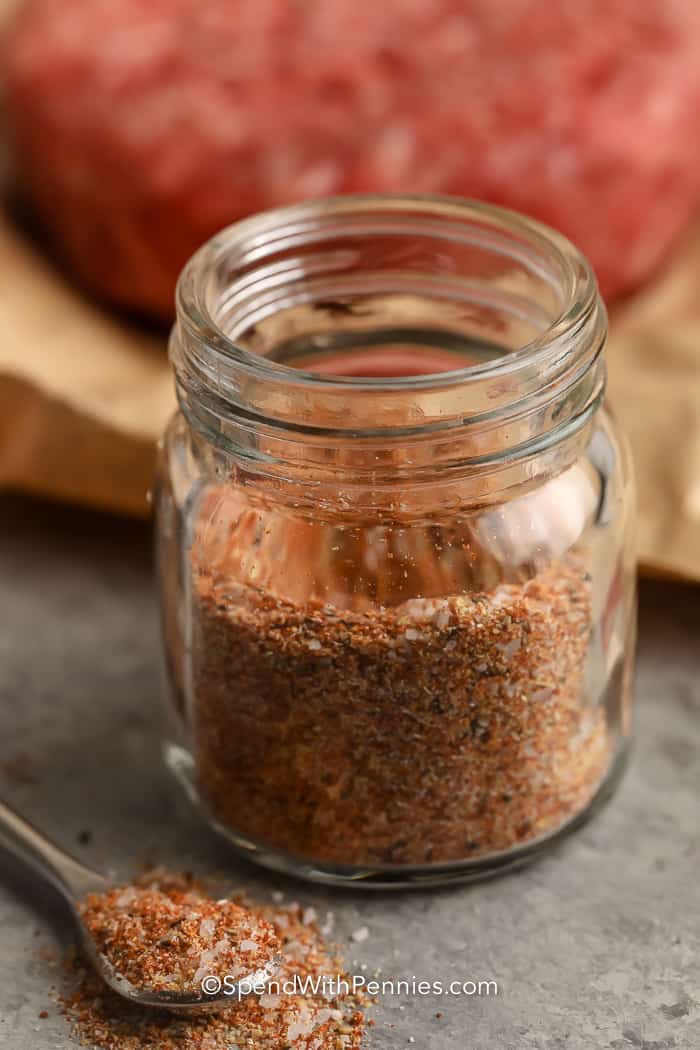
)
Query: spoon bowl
[{"x": 74, "y": 881}]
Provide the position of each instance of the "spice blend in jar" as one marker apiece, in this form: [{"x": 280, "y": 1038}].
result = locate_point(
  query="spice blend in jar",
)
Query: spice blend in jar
[
  {"x": 438, "y": 729},
  {"x": 398, "y": 608}
]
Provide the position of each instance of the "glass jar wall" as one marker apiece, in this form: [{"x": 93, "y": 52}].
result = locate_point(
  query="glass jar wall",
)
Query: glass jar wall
[{"x": 395, "y": 558}]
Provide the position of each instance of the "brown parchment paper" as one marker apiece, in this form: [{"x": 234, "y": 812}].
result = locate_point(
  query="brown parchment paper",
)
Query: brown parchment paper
[
  {"x": 84, "y": 397},
  {"x": 654, "y": 369}
]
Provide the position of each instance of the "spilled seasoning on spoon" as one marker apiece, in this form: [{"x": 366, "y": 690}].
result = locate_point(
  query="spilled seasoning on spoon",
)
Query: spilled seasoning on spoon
[
  {"x": 169, "y": 940},
  {"x": 307, "y": 1007}
]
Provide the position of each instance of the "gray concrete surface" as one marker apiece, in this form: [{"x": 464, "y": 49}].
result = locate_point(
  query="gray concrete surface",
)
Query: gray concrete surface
[{"x": 598, "y": 945}]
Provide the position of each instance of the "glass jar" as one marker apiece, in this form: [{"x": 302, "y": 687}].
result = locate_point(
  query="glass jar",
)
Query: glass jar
[{"x": 395, "y": 551}]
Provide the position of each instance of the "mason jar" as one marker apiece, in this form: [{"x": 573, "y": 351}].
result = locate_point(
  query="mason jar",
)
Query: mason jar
[{"x": 395, "y": 541}]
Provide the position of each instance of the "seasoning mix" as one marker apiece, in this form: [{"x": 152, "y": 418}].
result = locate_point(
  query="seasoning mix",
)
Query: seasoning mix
[
  {"x": 169, "y": 941},
  {"x": 438, "y": 729},
  {"x": 322, "y": 1016}
]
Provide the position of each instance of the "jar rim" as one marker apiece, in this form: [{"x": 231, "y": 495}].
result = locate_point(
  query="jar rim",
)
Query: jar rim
[{"x": 580, "y": 292}]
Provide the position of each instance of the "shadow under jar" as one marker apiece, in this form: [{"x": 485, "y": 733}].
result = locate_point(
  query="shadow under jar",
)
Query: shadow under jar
[{"x": 395, "y": 557}]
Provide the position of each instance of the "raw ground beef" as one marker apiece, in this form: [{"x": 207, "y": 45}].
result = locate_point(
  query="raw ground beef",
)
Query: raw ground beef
[{"x": 142, "y": 126}]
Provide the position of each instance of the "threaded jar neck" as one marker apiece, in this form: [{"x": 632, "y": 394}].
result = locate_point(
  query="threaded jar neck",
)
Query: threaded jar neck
[{"x": 390, "y": 338}]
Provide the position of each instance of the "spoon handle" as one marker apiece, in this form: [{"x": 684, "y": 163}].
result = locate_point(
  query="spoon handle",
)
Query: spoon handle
[{"x": 65, "y": 873}]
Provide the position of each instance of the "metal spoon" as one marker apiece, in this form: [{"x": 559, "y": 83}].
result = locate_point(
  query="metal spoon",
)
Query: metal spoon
[{"x": 74, "y": 881}]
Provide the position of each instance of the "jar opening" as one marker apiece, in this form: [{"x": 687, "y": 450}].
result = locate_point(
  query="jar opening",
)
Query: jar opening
[
  {"x": 385, "y": 290},
  {"x": 361, "y": 333}
]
